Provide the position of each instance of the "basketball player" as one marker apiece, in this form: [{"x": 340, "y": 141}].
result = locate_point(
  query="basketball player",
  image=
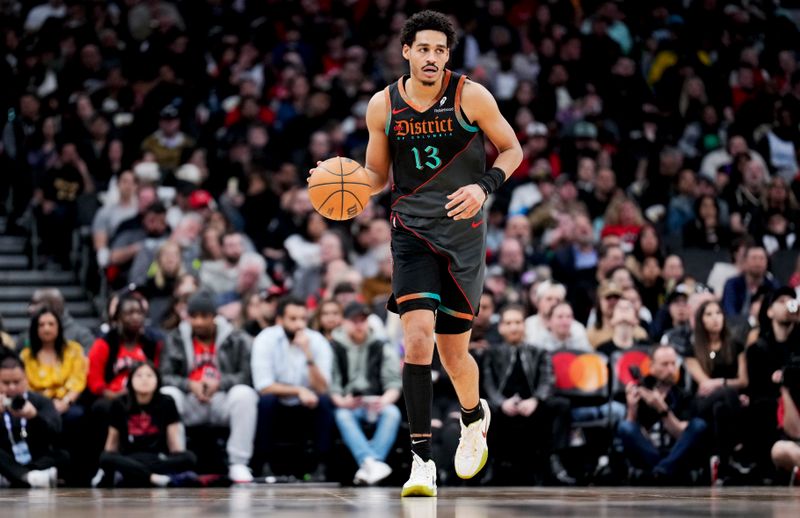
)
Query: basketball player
[{"x": 428, "y": 127}]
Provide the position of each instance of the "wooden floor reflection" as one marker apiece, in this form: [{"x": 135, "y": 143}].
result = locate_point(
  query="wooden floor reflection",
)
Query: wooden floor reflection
[{"x": 294, "y": 501}]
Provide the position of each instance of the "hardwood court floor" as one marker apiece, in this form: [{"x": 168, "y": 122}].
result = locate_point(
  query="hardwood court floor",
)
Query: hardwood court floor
[{"x": 297, "y": 501}]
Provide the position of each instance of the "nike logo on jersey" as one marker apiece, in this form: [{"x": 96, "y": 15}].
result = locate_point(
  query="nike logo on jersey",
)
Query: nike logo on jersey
[
  {"x": 477, "y": 224},
  {"x": 417, "y": 442},
  {"x": 395, "y": 111}
]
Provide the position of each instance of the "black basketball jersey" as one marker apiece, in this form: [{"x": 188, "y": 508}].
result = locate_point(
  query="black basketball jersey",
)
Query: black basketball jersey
[{"x": 435, "y": 151}]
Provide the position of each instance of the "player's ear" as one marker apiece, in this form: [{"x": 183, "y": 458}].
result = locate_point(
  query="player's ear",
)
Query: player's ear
[{"x": 406, "y": 50}]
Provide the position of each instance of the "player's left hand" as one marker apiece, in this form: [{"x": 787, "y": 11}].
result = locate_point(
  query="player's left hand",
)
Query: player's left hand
[{"x": 465, "y": 202}]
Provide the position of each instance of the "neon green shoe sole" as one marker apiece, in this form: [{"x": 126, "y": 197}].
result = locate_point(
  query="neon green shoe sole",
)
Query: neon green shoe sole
[
  {"x": 418, "y": 491},
  {"x": 480, "y": 466}
]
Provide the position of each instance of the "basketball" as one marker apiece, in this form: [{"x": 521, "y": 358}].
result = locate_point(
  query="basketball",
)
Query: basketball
[{"x": 339, "y": 189}]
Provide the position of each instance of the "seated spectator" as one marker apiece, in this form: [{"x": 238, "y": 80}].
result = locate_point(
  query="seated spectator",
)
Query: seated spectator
[
  {"x": 291, "y": 368},
  {"x": 127, "y": 244},
  {"x": 537, "y": 331},
  {"x": 220, "y": 275},
  {"x": 162, "y": 277},
  {"x": 707, "y": 230},
  {"x": 518, "y": 380},
  {"x": 258, "y": 312},
  {"x": 677, "y": 314},
  {"x": 623, "y": 218},
  {"x": 27, "y": 455},
  {"x": 779, "y": 233},
  {"x": 601, "y": 331},
  {"x": 53, "y": 299},
  {"x": 54, "y": 367},
  {"x": 648, "y": 244},
  {"x": 144, "y": 445},
  {"x": 308, "y": 280},
  {"x": 112, "y": 214},
  {"x": 168, "y": 142},
  {"x": 484, "y": 326},
  {"x": 365, "y": 387},
  {"x": 252, "y": 276},
  {"x": 113, "y": 355},
  {"x": 624, "y": 321},
  {"x": 184, "y": 235},
  {"x": 779, "y": 341},
  {"x": 658, "y": 408},
  {"x": 738, "y": 290},
  {"x": 328, "y": 317},
  {"x": 58, "y": 200},
  {"x": 559, "y": 325},
  {"x": 717, "y": 363},
  {"x": 206, "y": 370},
  {"x": 786, "y": 452}
]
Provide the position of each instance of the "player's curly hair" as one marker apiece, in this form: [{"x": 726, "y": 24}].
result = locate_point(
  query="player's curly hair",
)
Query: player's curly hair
[{"x": 428, "y": 21}]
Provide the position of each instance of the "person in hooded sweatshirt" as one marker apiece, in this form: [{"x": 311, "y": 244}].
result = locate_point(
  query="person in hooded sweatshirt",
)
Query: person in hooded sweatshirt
[
  {"x": 365, "y": 387},
  {"x": 206, "y": 370}
]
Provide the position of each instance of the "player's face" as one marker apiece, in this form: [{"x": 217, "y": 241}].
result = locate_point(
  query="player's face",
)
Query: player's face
[{"x": 427, "y": 56}]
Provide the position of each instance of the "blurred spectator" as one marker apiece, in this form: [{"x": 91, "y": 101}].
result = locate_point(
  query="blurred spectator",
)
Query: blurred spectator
[
  {"x": 329, "y": 316},
  {"x": 718, "y": 365},
  {"x": 206, "y": 370},
  {"x": 537, "y": 327},
  {"x": 58, "y": 197},
  {"x": 707, "y": 230},
  {"x": 144, "y": 446},
  {"x": 53, "y": 299},
  {"x": 518, "y": 379},
  {"x": 128, "y": 243},
  {"x": 292, "y": 366},
  {"x": 112, "y": 356},
  {"x": 168, "y": 142},
  {"x": 54, "y": 367},
  {"x": 221, "y": 275},
  {"x": 658, "y": 435},
  {"x": 112, "y": 214},
  {"x": 738, "y": 290},
  {"x": 484, "y": 326},
  {"x": 786, "y": 452},
  {"x": 259, "y": 310},
  {"x": 624, "y": 219},
  {"x": 601, "y": 331},
  {"x": 27, "y": 454},
  {"x": 365, "y": 386}
]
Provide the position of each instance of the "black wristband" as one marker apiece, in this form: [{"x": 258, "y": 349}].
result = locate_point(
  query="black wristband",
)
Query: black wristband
[{"x": 492, "y": 180}]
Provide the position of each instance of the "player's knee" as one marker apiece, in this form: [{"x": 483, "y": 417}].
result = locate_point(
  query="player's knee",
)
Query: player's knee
[
  {"x": 456, "y": 362},
  {"x": 419, "y": 347}
]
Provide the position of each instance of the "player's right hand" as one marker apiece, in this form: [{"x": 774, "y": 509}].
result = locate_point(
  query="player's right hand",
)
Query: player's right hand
[{"x": 312, "y": 171}]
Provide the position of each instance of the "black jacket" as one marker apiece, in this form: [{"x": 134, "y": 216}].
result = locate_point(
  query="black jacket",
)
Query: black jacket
[
  {"x": 42, "y": 430},
  {"x": 498, "y": 365}
]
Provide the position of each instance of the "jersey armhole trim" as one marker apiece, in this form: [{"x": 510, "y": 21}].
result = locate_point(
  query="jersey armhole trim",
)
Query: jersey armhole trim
[
  {"x": 460, "y": 116},
  {"x": 388, "y": 101}
]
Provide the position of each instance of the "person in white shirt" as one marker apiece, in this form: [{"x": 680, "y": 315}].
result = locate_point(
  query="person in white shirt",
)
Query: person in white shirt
[
  {"x": 547, "y": 295},
  {"x": 292, "y": 367}
]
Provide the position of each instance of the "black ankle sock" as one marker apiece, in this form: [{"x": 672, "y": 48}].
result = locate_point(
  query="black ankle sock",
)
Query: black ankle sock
[
  {"x": 470, "y": 416},
  {"x": 418, "y": 393},
  {"x": 421, "y": 446}
]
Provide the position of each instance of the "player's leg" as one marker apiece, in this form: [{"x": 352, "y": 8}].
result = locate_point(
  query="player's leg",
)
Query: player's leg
[
  {"x": 462, "y": 283},
  {"x": 415, "y": 297}
]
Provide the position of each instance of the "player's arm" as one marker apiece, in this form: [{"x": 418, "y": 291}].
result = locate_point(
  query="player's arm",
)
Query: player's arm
[
  {"x": 481, "y": 108},
  {"x": 378, "y": 159}
]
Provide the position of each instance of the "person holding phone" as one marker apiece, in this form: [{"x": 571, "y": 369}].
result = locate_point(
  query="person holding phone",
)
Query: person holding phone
[{"x": 658, "y": 436}]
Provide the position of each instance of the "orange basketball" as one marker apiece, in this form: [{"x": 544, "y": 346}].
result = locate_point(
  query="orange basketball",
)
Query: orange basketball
[{"x": 339, "y": 189}]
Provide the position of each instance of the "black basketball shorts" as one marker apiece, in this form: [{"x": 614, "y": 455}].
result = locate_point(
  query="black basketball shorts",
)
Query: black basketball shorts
[{"x": 439, "y": 265}]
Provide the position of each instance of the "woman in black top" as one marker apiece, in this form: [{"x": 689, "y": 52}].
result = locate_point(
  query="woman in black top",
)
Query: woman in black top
[
  {"x": 144, "y": 443},
  {"x": 718, "y": 365},
  {"x": 707, "y": 230}
]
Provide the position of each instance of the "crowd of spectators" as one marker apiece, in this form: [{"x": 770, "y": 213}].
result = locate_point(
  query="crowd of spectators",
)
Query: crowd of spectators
[{"x": 173, "y": 140}]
